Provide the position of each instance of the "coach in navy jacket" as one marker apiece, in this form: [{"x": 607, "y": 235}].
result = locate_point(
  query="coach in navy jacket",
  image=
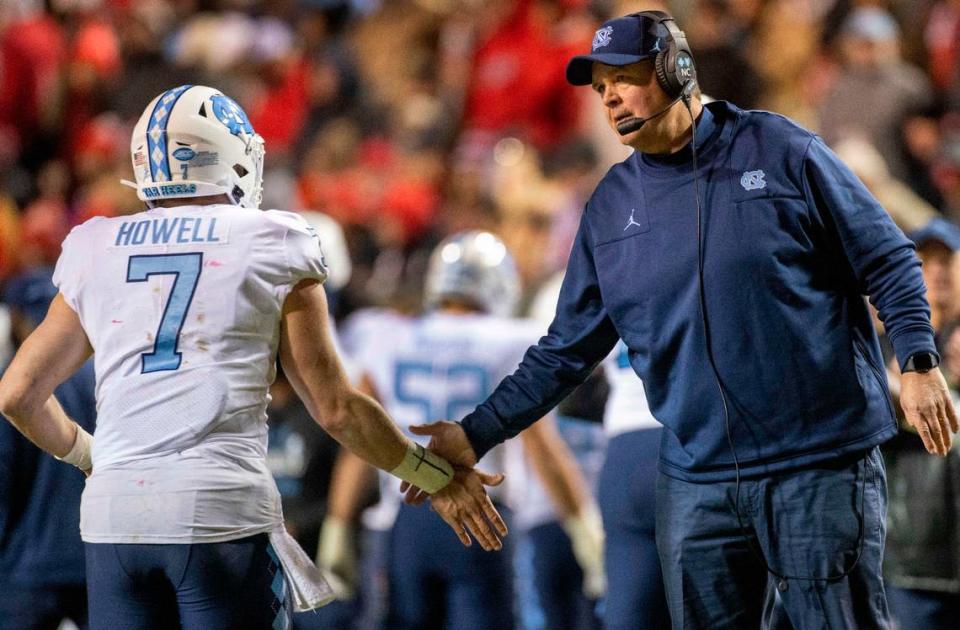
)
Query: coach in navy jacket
[{"x": 769, "y": 466}]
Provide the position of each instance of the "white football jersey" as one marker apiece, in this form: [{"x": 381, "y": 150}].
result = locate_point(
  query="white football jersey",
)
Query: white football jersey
[
  {"x": 627, "y": 408},
  {"x": 440, "y": 367},
  {"x": 182, "y": 307}
]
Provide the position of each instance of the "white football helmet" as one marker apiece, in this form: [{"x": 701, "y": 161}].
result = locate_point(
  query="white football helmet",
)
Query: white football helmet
[
  {"x": 194, "y": 141},
  {"x": 474, "y": 266}
]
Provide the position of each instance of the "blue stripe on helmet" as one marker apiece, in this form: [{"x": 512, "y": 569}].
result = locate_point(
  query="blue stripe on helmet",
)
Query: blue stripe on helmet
[{"x": 157, "y": 134}]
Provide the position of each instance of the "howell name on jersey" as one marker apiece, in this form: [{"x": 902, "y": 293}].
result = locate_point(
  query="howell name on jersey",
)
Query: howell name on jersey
[{"x": 170, "y": 230}]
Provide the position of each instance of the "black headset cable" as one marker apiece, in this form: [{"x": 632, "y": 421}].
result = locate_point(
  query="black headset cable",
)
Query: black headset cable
[{"x": 782, "y": 577}]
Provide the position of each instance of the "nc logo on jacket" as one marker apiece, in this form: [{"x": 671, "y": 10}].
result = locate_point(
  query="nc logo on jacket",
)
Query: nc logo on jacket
[
  {"x": 602, "y": 37},
  {"x": 753, "y": 180}
]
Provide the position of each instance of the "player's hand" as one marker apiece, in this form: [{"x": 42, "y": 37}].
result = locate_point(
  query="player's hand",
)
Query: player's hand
[
  {"x": 464, "y": 505},
  {"x": 928, "y": 409},
  {"x": 448, "y": 440},
  {"x": 414, "y": 495}
]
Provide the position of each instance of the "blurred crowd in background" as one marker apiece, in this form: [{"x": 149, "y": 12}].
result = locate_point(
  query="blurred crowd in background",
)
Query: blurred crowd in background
[{"x": 407, "y": 120}]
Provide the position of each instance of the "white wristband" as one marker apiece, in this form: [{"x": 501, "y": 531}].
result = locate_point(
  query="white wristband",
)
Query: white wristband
[
  {"x": 80, "y": 454},
  {"x": 424, "y": 469}
]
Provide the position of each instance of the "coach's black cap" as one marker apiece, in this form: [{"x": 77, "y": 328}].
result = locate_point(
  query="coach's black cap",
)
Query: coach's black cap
[{"x": 619, "y": 42}]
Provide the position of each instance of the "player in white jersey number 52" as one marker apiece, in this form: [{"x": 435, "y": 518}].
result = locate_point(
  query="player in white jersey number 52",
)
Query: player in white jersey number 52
[{"x": 187, "y": 306}]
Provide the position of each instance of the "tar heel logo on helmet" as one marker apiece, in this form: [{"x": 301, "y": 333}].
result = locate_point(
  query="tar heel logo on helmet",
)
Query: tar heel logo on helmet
[
  {"x": 226, "y": 110},
  {"x": 753, "y": 180},
  {"x": 602, "y": 37}
]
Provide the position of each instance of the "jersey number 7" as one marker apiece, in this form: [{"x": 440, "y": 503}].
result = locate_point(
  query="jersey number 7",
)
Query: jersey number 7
[{"x": 186, "y": 269}]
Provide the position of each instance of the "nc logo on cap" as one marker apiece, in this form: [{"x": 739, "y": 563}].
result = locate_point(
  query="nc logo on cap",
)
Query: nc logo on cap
[{"x": 602, "y": 37}]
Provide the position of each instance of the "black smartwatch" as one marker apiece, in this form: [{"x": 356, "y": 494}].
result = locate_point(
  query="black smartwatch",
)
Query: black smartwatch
[{"x": 921, "y": 362}]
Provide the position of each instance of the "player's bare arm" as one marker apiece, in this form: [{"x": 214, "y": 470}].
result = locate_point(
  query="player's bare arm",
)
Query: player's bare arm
[
  {"x": 360, "y": 424},
  {"x": 54, "y": 351},
  {"x": 352, "y": 478}
]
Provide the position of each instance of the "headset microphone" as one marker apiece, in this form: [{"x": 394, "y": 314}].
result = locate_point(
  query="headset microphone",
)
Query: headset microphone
[{"x": 634, "y": 124}]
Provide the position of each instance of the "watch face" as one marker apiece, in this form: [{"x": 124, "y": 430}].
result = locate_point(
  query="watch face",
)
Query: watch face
[{"x": 923, "y": 362}]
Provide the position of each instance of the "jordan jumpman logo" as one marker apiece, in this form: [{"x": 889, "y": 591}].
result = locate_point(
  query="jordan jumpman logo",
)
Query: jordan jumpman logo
[{"x": 631, "y": 221}]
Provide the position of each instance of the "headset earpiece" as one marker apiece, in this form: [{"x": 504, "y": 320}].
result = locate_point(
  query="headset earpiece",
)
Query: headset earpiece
[
  {"x": 674, "y": 65},
  {"x": 660, "y": 65}
]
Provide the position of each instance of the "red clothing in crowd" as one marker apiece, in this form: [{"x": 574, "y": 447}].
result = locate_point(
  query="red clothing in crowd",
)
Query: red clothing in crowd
[
  {"x": 942, "y": 38},
  {"x": 32, "y": 55},
  {"x": 518, "y": 85},
  {"x": 278, "y": 115}
]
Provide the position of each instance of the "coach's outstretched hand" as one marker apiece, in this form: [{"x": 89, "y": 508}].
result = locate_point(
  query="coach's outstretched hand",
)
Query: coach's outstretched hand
[
  {"x": 928, "y": 408},
  {"x": 465, "y": 506},
  {"x": 448, "y": 440}
]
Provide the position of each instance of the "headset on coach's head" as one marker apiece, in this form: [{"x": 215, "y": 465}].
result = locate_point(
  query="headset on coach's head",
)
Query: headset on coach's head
[{"x": 675, "y": 69}]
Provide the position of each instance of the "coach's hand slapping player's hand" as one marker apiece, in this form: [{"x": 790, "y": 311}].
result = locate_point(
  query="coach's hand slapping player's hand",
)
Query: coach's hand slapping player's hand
[
  {"x": 928, "y": 408},
  {"x": 448, "y": 440}
]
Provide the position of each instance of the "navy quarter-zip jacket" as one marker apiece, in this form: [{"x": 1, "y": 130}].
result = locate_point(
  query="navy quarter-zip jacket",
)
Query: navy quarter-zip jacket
[{"x": 792, "y": 241}]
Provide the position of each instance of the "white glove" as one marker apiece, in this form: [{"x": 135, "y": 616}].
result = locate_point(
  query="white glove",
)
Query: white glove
[
  {"x": 586, "y": 535},
  {"x": 337, "y": 558}
]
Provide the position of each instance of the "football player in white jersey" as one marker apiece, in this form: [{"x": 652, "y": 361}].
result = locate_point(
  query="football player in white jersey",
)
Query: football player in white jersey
[
  {"x": 434, "y": 366},
  {"x": 186, "y": 307}
]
